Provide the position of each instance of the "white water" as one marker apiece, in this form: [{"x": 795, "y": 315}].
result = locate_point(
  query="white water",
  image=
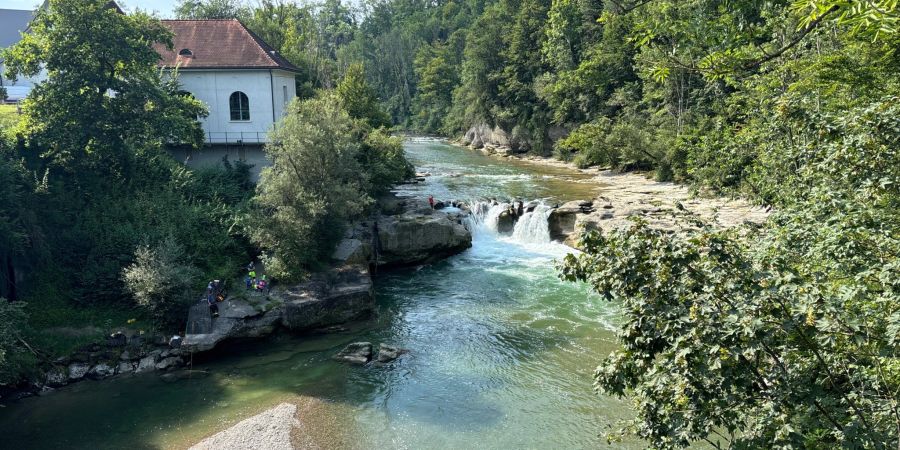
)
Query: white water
[{"x": 533, "y": 227}]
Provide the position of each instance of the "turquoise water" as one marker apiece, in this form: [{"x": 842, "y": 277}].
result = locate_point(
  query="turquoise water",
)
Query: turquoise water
[{"x": 501, "y": 353}]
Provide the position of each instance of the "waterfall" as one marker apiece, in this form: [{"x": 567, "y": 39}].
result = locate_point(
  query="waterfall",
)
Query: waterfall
[
  {"x": 487, "y": 214},
  {"x": 533, "y": 227}
]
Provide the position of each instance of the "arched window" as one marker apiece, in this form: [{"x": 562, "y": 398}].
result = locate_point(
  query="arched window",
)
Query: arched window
[
  {"x": 186, "y": 52},
  {"x": 240, "y": 106}
]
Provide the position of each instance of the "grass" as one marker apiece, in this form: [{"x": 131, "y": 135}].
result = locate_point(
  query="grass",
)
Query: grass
[{"x": 8, "y": 117}]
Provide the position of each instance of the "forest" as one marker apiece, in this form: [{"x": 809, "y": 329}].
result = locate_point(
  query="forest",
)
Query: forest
[{"x": 785, "y": 335}]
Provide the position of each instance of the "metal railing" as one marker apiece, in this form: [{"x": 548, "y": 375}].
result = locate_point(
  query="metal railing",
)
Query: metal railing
[{"x": 236, "y": 137}]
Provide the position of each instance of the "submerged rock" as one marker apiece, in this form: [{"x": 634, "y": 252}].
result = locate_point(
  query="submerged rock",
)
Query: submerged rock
[
  {"x": 356, "y": 353},
  {"x": 388, "y": 353}
]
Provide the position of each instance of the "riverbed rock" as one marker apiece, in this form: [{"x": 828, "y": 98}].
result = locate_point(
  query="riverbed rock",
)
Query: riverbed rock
[
  {"x": 101, "y": 371},
  {"x": 356, "y": 353},
  {"x": 78, "y": 370},
  {"x": 562, "y": 220},
  {"x": 506, "y": 221},
  {"x": 420, "y": 235},
  {"x": 333, "y": 297},
  {"x": 146, "y": 364},
  {"x": 168, "y": 363},
  {"x": 57, "y": 376},
  {"x": 125, "y": 367},
  {"x": 388, "y": 353}
]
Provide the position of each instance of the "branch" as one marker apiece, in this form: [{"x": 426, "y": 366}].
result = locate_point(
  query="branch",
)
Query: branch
[{"x": 803, "y": 33}]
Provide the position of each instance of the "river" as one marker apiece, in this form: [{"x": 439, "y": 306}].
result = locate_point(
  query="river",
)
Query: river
[{"x": 501, "y": 352}]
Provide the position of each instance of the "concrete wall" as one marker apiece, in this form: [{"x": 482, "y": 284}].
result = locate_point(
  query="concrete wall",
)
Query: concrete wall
[
  {"x": 214, "y": 88},
  {"x": 211, "y": 156}
]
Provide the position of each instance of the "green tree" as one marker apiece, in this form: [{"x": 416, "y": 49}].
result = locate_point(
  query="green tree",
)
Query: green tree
[
  {"x": 104, "y": 96},
  {"x": 437, "y": 78},
  {"x": 210, "y": 9},
  {"x": 315, "y": 183},
  {"x": 359, "y": 99}
]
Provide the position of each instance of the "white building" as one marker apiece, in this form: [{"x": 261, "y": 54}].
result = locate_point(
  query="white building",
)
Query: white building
[
  {"x": 243, "y": 81},
  {"x": 13, "y": 23}
]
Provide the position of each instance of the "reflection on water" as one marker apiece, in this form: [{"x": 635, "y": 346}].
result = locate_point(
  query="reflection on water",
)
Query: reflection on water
[{"x": 501, "y": 353}]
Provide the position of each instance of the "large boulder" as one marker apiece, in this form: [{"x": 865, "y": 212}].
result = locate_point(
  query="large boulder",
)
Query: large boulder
[
  {"x": 562, "y": 220},
  {"x": 238, "y": 318},
  {"x": 333, "y": 297},
  {"x": 420, "y": 235},
  {"x": 356, "y": 353},
  {"x": 506, "y": 221}
]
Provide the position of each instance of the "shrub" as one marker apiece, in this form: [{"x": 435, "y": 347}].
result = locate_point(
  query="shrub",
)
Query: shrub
[{"x": 162, "y": 280}]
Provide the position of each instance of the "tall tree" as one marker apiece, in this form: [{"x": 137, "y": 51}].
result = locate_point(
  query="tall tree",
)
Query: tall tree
[{"x": 104, "y": 95}]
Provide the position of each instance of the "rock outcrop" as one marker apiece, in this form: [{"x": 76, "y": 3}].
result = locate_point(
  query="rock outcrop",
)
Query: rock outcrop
[
  {"x": 497, "y": 140},
  {"x": 420, "y": 235},
  {"x": 238, "y": 318},
  {"x": 333, "y": 297},
  {"x": 406, "y": 232},
  {"x": 562, "y": 221}
]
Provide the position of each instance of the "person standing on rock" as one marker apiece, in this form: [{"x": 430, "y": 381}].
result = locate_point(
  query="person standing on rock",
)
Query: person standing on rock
[
  {"x": 431, "y": 201},
  {"x": 213, "y": 307}
]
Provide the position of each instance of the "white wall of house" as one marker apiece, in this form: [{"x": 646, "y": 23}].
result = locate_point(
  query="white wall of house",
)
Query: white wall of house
[{"x": 267, "y": 92}]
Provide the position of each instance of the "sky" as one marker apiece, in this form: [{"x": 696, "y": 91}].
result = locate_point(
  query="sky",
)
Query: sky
[{"x": 163, "y": 7}]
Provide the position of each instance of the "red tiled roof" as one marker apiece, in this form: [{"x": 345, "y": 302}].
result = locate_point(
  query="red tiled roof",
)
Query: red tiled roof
[{"x": 218, "y": 44}]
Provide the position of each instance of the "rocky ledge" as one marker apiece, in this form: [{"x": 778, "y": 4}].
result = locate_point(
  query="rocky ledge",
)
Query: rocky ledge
[{"x": 406, "y": 232}]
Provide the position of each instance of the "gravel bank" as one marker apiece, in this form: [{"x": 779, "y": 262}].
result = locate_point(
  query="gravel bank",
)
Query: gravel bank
[{"x": 269, "y": 430}]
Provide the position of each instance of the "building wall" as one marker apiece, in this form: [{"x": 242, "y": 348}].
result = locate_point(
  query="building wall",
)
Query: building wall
[{"x": 214, "y": 88}]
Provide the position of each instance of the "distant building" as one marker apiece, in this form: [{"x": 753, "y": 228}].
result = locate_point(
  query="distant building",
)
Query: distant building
[
  {"x": 243, "y": 81},
  {"x": 13, "y": 23}
]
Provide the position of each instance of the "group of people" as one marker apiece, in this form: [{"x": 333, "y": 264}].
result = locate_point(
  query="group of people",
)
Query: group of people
[{"x": 253, "y": 283}]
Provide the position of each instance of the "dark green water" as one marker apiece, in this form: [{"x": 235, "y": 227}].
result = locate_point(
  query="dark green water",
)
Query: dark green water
[{"x": 501, "y": 353}]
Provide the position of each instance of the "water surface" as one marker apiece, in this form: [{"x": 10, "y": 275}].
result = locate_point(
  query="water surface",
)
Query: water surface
[{"x": 501, "y": 352}]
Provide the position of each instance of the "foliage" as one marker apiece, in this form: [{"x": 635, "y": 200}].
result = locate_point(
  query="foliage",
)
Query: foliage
[
  {"x": 781, "y": 337},
  {"x": 162, "y": 279},
  {"x": 14, "y": 356},
  {"x": 3, "y": 93},
  {"x": 359, "y": 99},
  {"x": 103, "y": 93},
  {"x": 210, "y": 9},
  {"x": 383, "y": 159},
  {"x": 312, "y": 187}
]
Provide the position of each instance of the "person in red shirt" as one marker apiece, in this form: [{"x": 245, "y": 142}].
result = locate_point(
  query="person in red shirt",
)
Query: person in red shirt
[{"x": 431, "y": 201}]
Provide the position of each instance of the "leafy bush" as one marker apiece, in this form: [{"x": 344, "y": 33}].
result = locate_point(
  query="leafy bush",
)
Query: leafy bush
[{"x": 162, "y": 279}]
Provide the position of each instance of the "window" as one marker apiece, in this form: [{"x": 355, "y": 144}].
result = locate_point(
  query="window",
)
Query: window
[
  {"x": 284, "y": 94},
  {"x": 186, "y": 52},
  {"x": 240, "y": 106}
]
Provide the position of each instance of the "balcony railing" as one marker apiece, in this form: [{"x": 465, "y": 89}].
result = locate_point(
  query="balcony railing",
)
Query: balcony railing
[{"x": 236, "y": 138}]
